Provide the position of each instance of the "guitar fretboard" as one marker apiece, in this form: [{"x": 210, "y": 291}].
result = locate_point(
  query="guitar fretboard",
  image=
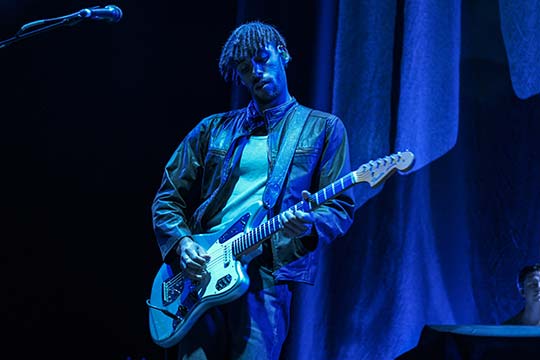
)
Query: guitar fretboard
[{"x": 262, "y": 232}]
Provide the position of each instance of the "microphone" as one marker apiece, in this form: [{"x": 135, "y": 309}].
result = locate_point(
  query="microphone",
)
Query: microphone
[{"x": 110, "y": 13}]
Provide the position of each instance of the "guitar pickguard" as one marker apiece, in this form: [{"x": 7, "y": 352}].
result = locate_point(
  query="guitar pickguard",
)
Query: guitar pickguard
[{"x": 235, "y": 229}]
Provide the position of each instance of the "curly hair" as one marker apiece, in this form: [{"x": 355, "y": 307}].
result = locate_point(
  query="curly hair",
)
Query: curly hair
[
  {"x": 243, "y": 43},
  {"x": 526, "y": 271}
]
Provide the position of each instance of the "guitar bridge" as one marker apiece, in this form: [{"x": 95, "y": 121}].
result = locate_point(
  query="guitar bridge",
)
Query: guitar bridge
[{"x": 172, "y": 289}]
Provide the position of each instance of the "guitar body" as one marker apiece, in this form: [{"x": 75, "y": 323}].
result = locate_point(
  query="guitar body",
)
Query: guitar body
[{"x": 177, "y": 302}]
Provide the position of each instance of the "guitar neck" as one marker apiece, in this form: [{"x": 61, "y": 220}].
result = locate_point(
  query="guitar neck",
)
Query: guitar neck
[
  {"x": 374, "y": 172},
  {"x": 255, "y": 236}
]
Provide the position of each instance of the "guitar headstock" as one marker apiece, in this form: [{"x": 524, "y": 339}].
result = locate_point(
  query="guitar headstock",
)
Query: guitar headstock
[{"x": 376, "y": 171}]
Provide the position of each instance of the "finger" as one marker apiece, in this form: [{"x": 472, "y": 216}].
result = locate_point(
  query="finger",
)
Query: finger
[
  {"x": 286, "y": 218},
  {"x": 185, "y": 259},
  {"x": 284, "y": 224},
  {"x": 192, "y": 274},
  {"x": 194, "y": 266},
  {"x": 183, "y": 262},
  {"x": 203, "y": 254},
  {"x": 295, "y": 228},
  {"x": 298, "y": 229},
  {"x": 296, "y": 222},
  {"x": 304, "y": 217},
  {"x": 299, "y": 217},
  {"x": 195, "y": 258},
  {"x": 301, "y": 229},
  {"x": 283, "y": 219},
  {"x": 190, "y": 266}
]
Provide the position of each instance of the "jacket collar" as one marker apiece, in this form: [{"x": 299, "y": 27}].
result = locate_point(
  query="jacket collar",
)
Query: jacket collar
[{"x": 271, "y": 116}]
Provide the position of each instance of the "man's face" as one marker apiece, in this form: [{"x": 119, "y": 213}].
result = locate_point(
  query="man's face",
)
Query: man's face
[
  {"x": 264, "y": 76},
  {"x": 531, "y": 287}
]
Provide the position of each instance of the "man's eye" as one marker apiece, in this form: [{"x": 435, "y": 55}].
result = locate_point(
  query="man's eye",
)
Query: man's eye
[{"x": 262, "y": 57}]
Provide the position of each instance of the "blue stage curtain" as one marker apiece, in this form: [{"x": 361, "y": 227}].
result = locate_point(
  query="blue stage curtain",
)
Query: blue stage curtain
[{"x": 520, "y": 23}]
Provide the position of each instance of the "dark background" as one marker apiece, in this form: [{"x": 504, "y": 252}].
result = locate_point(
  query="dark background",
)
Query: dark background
[{"x": 83, "y": 146}]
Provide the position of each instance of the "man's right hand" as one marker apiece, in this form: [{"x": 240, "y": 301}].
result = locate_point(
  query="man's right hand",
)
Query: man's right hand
[{"x": 193, "y": 258}]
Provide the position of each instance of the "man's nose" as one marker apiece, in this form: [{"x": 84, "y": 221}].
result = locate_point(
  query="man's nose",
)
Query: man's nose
[{"x": 256, "y": 70}]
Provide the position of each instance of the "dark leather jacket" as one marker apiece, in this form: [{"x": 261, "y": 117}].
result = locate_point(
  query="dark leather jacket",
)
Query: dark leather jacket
[{"x": 194, "y": 172}]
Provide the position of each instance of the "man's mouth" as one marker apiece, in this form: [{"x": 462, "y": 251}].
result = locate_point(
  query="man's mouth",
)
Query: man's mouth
[{"x": 261, "y": 84}]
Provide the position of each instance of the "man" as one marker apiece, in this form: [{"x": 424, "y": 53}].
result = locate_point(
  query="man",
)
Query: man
[
  {"x": 529, "y": 288},
  {"x": 234, "y": 159}
]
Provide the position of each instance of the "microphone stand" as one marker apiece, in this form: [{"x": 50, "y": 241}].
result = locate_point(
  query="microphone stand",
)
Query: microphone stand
[{"x": 24, "y": 31}]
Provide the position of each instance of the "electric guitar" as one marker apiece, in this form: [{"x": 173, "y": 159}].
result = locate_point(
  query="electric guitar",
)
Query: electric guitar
[{"x": 176, "y": 302}]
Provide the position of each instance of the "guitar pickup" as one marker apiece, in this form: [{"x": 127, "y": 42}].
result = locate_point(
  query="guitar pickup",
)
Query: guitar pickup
[{"x": 223, "y": 282}]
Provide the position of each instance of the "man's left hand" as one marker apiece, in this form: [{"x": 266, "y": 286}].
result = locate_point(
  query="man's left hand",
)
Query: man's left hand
[{"x": 297, "y": 223}]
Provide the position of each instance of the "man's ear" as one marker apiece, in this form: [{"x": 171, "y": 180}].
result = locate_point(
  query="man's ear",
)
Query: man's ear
[{"x": 284, "y": 53}]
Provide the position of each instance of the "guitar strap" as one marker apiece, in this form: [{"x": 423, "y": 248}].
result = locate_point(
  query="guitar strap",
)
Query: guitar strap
[{"x": 284, "y": 157}]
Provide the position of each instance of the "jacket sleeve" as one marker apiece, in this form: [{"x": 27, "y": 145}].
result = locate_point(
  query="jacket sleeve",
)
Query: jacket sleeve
[
  {"x": 334, "y": 218},
  {"x": 171, "y": 207}
]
